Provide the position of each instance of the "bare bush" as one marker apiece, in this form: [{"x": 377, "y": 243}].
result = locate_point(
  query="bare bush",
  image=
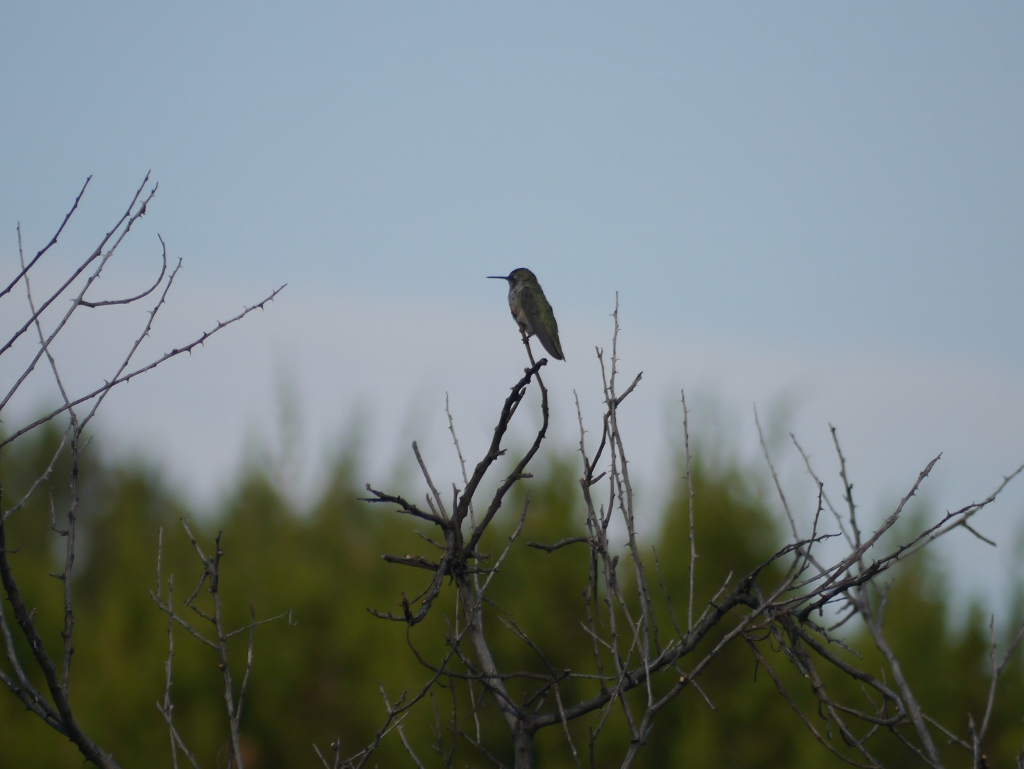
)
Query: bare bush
[
  {"x": 638, "y": 663},
  {"x": 47, "y": 319}
]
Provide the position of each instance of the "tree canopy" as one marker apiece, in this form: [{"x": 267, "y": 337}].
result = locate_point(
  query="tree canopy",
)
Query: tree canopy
[{"x": 317, "y": 676}]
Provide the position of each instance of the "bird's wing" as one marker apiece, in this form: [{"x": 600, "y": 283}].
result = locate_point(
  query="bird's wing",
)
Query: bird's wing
[{"x": 531, "y": 307}]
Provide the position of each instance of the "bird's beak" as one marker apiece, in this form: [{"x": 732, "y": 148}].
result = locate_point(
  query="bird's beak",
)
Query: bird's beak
[{"x": 498, "y": 277}]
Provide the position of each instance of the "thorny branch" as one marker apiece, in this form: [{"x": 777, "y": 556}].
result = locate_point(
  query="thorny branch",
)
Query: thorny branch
[{"x": 54, "y": 707}]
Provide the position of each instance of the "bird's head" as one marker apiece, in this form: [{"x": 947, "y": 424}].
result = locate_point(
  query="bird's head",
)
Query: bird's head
[{"x": 517, "y": 276}]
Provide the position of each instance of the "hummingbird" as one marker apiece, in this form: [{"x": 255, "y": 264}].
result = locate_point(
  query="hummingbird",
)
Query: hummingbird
[{"x": 531, "y": 310}]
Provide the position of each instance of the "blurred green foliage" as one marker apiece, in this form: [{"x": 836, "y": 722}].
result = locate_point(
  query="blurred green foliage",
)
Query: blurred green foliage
[{"x": 317, "y": 678}]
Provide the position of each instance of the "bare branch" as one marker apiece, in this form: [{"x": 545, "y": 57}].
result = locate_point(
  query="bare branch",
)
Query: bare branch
[
  {"x": 144, "y": 294},
  {"x": 53, "y": 240},
  {"x": 142, "y": 370}
]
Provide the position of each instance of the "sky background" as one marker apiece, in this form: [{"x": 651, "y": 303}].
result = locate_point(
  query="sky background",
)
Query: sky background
[{"x": 812, "y": 208}]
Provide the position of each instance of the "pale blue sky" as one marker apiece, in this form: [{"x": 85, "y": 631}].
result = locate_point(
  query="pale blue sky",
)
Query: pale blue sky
[
  {"x": 829, "y": 173},
  {"x": 786, "y": 196}
]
